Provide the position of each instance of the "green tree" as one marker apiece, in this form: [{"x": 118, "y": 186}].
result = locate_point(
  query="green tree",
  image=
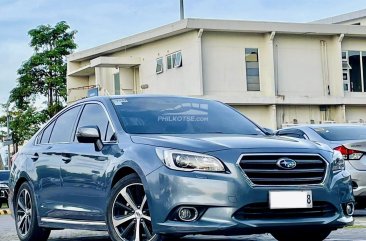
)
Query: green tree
[{"x": 44, "y": 73}]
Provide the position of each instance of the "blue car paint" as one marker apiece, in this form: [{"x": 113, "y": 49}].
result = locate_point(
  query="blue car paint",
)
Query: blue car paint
[{"x": 80, "y": 189}]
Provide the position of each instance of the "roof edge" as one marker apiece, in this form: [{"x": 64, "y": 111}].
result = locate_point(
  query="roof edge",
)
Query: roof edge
[
  {"x": 132, "y": 40},
  {"x": 190, "y": 24},
  {"x": 343, "y": 17}
]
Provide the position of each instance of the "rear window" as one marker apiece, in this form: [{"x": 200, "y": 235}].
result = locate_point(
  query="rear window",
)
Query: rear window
[{"x": 341, "y": 133}]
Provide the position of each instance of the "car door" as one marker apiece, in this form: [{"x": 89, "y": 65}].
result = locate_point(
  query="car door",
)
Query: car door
[
  {"x": 83, "y": 170},
  {"x": 46, "y": 158}
]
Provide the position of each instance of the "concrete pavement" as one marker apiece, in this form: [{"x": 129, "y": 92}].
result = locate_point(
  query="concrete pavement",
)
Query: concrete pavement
[{"x": 8, "y": 233}]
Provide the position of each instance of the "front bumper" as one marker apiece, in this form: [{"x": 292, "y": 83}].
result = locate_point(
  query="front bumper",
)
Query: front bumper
[{"x": 222, "y": 196}]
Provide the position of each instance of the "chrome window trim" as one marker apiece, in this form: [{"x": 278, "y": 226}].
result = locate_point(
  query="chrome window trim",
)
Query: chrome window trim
[
  {"x": 54, "y": 118},
  {"x": 284, "y": 154},
  {"x": 68, "y": 108},
  {"x": 71, "y": 221}
]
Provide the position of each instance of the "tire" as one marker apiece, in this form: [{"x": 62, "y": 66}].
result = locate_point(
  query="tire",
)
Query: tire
[
  {"x": 26, "y": 222},
  {"x": 301, "y": 235},
  {"x": 127, "y": 210}
]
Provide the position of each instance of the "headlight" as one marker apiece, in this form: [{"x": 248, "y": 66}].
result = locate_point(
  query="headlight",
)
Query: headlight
[
  {"x": 338, "y": 162},
  {"x": 189, "y": 161},
  {"x": 3, "y": 186}
]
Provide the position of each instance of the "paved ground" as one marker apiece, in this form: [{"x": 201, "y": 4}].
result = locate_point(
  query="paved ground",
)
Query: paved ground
[{"x": 7, "y": 233}]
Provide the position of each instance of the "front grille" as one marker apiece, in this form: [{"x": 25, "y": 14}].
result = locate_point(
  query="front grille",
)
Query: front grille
[
  {"x": 262, "y": 211},
  {"x": 263, "y": 169}
]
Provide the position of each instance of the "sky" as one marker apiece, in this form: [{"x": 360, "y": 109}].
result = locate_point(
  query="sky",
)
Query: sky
[{"x": 102, "y": 21}]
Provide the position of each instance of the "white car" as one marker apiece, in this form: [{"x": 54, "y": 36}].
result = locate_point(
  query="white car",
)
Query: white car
[{"x": 349, "y": 139}]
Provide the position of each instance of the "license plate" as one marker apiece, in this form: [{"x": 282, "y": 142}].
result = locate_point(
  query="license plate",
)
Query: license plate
[{"x": 290, "y": 199}]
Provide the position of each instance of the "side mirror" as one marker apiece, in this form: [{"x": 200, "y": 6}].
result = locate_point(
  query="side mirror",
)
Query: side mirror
[{"x": 90, "y": 134}]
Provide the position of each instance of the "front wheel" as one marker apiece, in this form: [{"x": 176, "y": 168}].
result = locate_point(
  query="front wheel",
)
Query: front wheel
[
  {"x": 301, "y": 235},
  {"x": 128, "y": 215},
  {"x": 26, "y": 216}
]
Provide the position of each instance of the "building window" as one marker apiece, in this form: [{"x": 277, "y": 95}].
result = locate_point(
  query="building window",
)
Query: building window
[
  {"x": 252, "y": 69},
  {"x": 159, "y": 66},
  {"x": 174, "y": 60},
  {"x": 354, "y": 70},
  {"x": 117, "y": 84}
]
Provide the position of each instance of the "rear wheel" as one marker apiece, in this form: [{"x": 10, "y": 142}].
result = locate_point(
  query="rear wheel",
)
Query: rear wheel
[
  {"x": 301, "y": 235},
  {"x": 128, "y": 216},
  {"x": 26, "y": 216}
]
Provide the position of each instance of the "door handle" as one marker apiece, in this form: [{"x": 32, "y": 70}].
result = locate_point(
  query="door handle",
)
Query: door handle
[
  {"x": 35, "y": 157},
  {"x": 66, "y": 158}
]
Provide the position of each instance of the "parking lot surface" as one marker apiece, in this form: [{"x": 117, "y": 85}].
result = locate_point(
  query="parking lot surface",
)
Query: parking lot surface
[{"x": 356, "y": 233}]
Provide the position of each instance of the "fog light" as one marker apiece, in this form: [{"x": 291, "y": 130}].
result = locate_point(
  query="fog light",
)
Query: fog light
[
  {"x": 187, "y": 214},
  {"x": 350, "y": 209}
]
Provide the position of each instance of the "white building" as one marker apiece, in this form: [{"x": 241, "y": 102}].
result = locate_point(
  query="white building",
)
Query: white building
[{"x": 275, "y": 73}]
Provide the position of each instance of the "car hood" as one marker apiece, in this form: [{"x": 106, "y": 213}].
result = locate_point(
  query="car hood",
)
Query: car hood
[{"x": 208, "y": 142}]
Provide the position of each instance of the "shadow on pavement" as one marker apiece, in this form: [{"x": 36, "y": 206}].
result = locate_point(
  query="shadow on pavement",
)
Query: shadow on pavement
[
  {"x": 197, "y": 238},
  {"x": 81, "y": 239}
]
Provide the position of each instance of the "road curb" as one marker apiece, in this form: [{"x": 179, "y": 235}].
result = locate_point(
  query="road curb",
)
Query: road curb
[{"x": 5, "y": 212}]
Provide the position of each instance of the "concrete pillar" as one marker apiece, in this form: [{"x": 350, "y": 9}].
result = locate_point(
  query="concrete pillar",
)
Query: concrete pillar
[{"x": 272, "y": 110}]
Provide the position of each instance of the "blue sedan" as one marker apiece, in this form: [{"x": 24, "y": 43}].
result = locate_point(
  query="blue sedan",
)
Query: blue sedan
[{"x": 148, "y": 168}]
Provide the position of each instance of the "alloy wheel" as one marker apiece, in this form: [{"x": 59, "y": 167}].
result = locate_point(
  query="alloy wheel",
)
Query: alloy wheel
[
  {"x": 130, "y": 214},
  {"x": 24, "y": 212}
]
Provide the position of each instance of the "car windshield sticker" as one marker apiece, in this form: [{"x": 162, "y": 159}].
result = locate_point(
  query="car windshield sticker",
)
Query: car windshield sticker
[{"x": 119, "y": 101}]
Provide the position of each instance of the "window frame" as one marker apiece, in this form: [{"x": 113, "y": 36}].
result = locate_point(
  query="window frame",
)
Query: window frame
[
  {"x": 40, "y": 136},
  {"x": 362, "y": 71},
  {"x": 247, "y": 75},
  {"x": 172, "y": 60},
  {"x": 74, "y": 140},
  {"x": 157, "y": 65},
  {"x": 73, "y": 127}
]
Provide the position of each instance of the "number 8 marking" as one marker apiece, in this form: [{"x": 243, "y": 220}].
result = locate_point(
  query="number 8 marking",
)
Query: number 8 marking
[{"x": 309, "y": 199}]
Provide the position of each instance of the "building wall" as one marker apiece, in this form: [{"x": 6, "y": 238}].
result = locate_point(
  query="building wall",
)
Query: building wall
[
  {"x": 177, "y": 81},
  {"x": 259, "y": 114},
  {"x": 307, "y": 65},
  {"x": 300, "y": 75},
  {"x": 356, "y": 114},
  {"x": 224, "y": 71}
]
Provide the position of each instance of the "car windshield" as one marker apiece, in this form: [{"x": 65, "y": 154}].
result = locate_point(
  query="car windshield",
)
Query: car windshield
[
  {"x": 4, "y": 176},
  {"x": 341, "y": 133},
  {"x": 178, "y": 115}
]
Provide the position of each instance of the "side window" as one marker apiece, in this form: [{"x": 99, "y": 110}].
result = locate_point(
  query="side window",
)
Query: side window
[
  {"x": 47, "y": 133},
  {"x": 62, "y": 129},
  {"x": 94, "y": 114}
]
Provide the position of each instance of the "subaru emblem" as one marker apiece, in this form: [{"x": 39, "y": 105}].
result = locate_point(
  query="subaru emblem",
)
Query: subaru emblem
[{"x": 286, "y": 163}]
